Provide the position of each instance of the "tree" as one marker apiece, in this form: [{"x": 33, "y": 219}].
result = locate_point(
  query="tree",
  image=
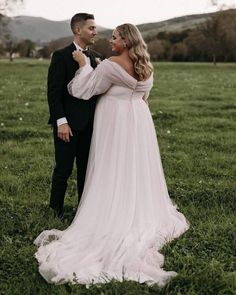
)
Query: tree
[
  {"x": 178, "y": 52},
  {"x": 6, "y": 40},
  {"x": 10, "y": 45},
  {"x": 102, "y": 45},
  {"x": 43, "y": 52},
  {"x": 228, "y": 26},
  {"x": 213, "y": 37},
  {"x": 159, "y": 49},
  {"x": 3, "y": 27},
  {"x": 9, "y": 5},
  {"x": 196, "y": 49},
  {"x": 26, "y": 48},
  {"x": 220, "y": 35},
  {"x": 173, "y": 37}
]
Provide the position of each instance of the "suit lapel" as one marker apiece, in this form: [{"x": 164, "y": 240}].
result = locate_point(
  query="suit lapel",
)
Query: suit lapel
[
  {"x": 91, "y": 57},
  {"x": 74, "y": 64},
  {"x": 93, "y": 61}
]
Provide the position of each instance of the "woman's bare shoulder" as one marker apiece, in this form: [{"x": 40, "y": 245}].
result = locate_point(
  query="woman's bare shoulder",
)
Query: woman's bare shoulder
[
  {"x": 121, "y": 61},
  {"x": 114, "y": 59}
]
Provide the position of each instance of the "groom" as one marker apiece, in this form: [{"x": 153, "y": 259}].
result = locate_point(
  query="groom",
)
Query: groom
[{"x": 71, "y": 118}]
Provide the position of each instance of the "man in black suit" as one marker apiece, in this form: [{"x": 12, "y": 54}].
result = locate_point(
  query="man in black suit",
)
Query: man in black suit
[{"x": 71, "y": 118}]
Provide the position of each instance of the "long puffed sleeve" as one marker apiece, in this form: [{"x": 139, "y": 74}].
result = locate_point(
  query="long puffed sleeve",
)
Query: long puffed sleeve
[{"x": 89, "y": 82}]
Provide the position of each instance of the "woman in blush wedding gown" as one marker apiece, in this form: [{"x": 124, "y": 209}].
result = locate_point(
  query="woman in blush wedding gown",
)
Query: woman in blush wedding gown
[{"x": 125, "y": 215}]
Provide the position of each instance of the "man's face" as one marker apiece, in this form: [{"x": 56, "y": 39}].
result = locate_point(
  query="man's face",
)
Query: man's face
[{"x": 88, "y": 32}]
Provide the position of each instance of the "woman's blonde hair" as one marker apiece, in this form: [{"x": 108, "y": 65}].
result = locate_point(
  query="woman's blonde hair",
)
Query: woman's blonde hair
[{"x": 137, "y": 50}]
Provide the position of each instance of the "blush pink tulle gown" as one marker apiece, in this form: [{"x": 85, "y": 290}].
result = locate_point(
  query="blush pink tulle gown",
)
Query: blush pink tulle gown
[{"x": 125, "y": 215}]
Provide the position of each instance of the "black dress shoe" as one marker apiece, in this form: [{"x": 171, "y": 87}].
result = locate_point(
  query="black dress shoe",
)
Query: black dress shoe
[{"x": 59, "y": 213}]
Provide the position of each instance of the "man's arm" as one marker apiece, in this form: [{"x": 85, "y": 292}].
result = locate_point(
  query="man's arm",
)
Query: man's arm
[
  {"x": 56, "y": 85},
  {"x": 56, "y": 88}
]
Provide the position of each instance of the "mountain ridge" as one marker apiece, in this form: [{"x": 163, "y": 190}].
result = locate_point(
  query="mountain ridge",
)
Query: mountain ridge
[
  {"x": 39, "y": 29},
  {"x": 42, "y": 30}
]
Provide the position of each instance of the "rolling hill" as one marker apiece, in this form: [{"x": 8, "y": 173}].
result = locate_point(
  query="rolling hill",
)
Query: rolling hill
[
  {"x": 173, "y": 24},
  {"x": 42, "y": 30}
]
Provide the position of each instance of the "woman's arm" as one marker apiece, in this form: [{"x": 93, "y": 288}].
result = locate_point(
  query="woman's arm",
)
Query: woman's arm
[{"x": 87, "y": 81}]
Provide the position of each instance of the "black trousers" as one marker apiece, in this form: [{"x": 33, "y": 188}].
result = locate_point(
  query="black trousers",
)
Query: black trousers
[{"x": 65, "y": 155}]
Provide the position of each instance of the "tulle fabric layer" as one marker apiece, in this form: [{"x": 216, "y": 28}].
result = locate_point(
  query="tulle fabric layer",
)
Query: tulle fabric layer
[{"x": 125, "y": 215}]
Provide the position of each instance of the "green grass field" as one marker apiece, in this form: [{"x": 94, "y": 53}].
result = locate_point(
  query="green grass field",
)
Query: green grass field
[{"x": 194, "y": 111}]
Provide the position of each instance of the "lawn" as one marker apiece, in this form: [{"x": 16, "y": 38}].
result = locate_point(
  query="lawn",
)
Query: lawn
[{"x": 194, "y": 111}]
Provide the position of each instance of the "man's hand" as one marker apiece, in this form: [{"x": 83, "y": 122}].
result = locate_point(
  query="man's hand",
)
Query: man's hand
[{"x": 64, "y": 132}]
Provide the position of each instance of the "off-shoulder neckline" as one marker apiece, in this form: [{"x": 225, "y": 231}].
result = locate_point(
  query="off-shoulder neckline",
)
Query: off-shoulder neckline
[
  {"x": 113, "y": 62},
  {"x": 137, "y": 81}
]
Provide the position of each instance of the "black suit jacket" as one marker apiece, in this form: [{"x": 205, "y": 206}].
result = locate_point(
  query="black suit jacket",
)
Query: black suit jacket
[{"x": 79, "y": 113}]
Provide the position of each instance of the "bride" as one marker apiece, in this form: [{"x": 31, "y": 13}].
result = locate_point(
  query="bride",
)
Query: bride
[{"x": 125, "y": 215}]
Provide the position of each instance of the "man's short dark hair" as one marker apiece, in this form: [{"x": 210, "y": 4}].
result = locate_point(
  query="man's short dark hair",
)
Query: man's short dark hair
[{"x": 79, "y": 17}]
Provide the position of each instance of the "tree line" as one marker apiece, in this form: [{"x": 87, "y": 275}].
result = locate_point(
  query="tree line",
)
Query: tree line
[{"x": 213, "y": 40}]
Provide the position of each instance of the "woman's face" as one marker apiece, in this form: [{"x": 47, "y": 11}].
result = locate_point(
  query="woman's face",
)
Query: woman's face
[{"x": 117, "y": 43}]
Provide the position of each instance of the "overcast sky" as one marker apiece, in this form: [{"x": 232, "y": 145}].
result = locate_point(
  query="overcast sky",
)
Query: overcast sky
[{"x": 110, "y": 13}]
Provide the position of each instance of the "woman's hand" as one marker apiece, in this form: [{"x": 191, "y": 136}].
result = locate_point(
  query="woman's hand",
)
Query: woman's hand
[{"x": 79, "y": 57}]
